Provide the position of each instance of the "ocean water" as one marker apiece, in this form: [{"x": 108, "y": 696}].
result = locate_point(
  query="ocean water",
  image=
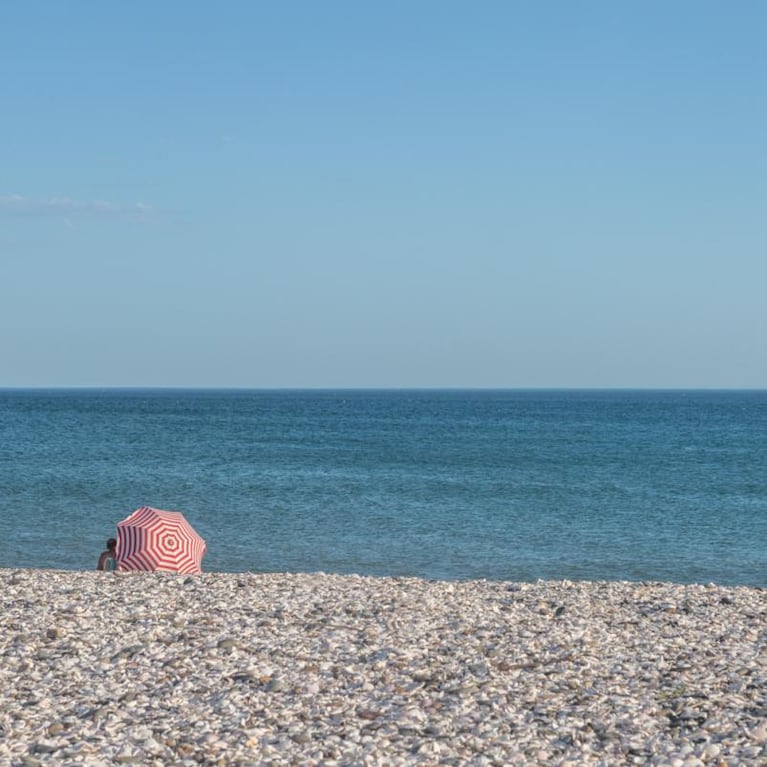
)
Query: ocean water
[{"x": 516, "y": 485}]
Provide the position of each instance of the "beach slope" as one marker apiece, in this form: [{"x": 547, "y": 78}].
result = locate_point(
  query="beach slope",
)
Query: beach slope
[{"x": 313, "y": 669}]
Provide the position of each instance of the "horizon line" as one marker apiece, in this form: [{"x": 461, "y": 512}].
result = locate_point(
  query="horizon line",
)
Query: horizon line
[{"x": 151, "y": 387}]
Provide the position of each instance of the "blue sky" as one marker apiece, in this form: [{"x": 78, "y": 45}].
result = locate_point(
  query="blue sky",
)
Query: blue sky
[{"x": 302, "y": 194}]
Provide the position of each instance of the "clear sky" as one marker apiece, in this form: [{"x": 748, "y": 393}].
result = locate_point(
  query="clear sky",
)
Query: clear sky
[{"x": 404, "y": 193}]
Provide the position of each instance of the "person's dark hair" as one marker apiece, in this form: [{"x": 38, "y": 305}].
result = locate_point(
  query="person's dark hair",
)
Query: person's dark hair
[{"x": 111, "y": 543}]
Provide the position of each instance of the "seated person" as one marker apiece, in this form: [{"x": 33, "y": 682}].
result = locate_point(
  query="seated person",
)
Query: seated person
[{"x": 108, "y": 558}]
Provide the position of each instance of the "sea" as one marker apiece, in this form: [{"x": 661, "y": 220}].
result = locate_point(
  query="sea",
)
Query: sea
[{"x": 514, "y": 485}]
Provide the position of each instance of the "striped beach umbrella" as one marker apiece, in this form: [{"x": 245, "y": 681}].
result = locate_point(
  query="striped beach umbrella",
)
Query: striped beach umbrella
[{"x": 151, "y": 539}]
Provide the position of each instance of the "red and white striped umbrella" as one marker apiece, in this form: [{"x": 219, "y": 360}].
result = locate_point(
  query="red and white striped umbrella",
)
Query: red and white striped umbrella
[{"x": 150, "y": 539}]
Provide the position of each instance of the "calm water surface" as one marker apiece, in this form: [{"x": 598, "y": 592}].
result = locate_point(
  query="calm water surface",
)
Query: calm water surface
[{"x": 520, "y": 485}]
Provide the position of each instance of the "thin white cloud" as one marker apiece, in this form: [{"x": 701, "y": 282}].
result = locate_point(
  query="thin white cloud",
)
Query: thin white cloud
[{"x": 66, "y": 206}]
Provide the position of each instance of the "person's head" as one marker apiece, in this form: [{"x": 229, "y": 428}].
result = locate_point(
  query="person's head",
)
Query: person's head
[{"x": 112, "y": 544}]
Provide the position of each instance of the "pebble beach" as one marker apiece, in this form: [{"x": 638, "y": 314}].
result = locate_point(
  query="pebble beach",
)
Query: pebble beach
[{"x": 101, "y": 669}]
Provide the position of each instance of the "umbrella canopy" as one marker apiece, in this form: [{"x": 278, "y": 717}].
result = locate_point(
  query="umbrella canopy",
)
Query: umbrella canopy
[{"x": 151, "y": 539}]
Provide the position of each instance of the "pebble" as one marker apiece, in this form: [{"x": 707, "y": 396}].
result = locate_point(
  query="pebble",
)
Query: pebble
[{"x": 253, "y": 670}]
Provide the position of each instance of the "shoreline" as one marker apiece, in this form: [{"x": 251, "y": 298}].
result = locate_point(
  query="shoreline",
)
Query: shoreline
[{"x": 276, "y": 668}]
